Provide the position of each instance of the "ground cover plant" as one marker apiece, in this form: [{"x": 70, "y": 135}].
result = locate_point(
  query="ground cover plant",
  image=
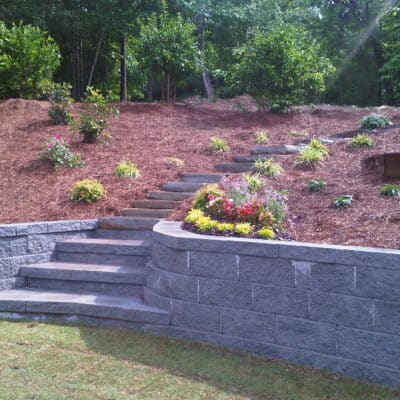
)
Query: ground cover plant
[
  {"x": 390, "y": 190},
  {"x": 218, "y": 144},
  {"x": 127, "y": 169},
  {"x": 88, "y": 191},
  {"x": 42, "y": 362},
  {"x": 362, "y": 140},
  {"x": 268, "y": 167},
  {"x": 375, "y": 120}
]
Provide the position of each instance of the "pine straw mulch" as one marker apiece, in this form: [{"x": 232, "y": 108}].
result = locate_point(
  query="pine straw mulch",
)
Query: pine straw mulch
[{"x": 31, "y": 190}]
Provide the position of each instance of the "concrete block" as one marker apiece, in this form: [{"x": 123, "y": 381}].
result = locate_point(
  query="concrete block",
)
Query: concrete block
[
  {"x": 271, "y": 271},
  {"x": 252, "y": 325},
  {"x": 170, "y": 259},
  {"x": 280, "y": 300},
  {"x": 213, "y": 265},
  {"x": 11, "y": 247},
  {"x": 307, "y": 252},
  {"x": 341, "y": 310},
  {"x": 4, "y": 268},
  {"x": 7, "y": 231},
  {"x": 42, "y": 243},
  {"x": 308, "y": 335},
  {"x": 63, "y": 226},
  {"x": 35, "y": 228},
  {"x": 225, "y": 293},
  {"x": 153, "y": 299},
  {"x": 369, "y": 347},
  {"x": 386, "y": 317},
  {"x": 17, "y": 262},
  {"x": 196, "y": 316},
  {"x": 323, "y": 277}
]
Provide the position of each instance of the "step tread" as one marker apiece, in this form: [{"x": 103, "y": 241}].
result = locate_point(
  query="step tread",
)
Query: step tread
[
  {"x": 150, "y": 212},
  {"x": 235, "y": 167},
  {"x": 156, "y": 204},
  {"x": 113, "y": 242},
  {"x": 166, "y": 195},
  {"x": 181, "y": 186},
  {"x": 210, "y": 177},
  {"x": 128, "y": 223}
]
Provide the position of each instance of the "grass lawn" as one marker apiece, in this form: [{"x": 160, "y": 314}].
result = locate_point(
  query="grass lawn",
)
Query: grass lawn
[{"x": 42, "y": 361}]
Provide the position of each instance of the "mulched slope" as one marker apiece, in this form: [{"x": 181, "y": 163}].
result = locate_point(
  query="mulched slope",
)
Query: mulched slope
[{"x": 30, "y": 189}]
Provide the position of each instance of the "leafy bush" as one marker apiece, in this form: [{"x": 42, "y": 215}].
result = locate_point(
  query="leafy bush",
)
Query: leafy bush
[
  {"x": 203, "y": 195},
  {"x": 343, "y": 201},
  {"x": 390, "y": 190},
  {"x": 267, "y": 167},
  {"x": 218, "y": 145},
  {"x": 244, "y": 229},
  {"x": 261, "y": 137},
  {"x": 94, "y": 119},
  {"x": 375, "y": 121},
  {"x": 88, "y": 191},
  {"x": 309, "y": 157},
  {"x": 316, "y": 144},
  {"x": 28, "y": 60},
  {"x": 362, "y": 141},
  {"x": 61, "y": 101},
  {"x": 58, "y": 153},
  {"x": 127, "y": 169},
  {"x": 266, "y": 233},
  {"x": 315, "y": 185},
  {"x": 280, "y": 68},
  {"x": 254, "y": 182}
]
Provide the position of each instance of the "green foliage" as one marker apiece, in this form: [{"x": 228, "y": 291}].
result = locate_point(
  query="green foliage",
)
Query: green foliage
[
  {"x": 316, "y": 144},
  {"x": 244, "y": 229},
  {"x": 316, "y": 185},
  {"x": 390, "y": 190},
  {"x": 362, "y": 141},
  {"x": 127, "y": 169},
  {"x": 94, "y": 119},
  {"x": 193, "y": 215},
  {"x": 60, "y": 99},
  {"x": 266, "y": 233},
  {"x": 201, "y": 196},
  {"x": 218, "y": 145},
  {"x": 268, "y": 167},
  {"x": 28, "y": 60},
  {"x": 254, "y": 182},
  {"x": 309, "y": 157},
  {"x": 375, "y": 121},
  {"x": 88, "y": 191},
  {"x": 224, "y": 227},
  {"x": 261, "y": 137},
  {"x": 58, "y": 153},
  {"x": 281, "y": 68},
  {"x": 343, "y": 201}
]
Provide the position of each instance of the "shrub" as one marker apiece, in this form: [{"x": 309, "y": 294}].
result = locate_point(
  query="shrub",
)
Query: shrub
[
  {"x": 316, "y": 144},
  {"x": 362, "y": 141},
  {"x": 268, "y": 167},
  {"x": 266, "y": 233},
  {"x": 254, "y": 182},
  {"x": 309, "y": 157},
  {"x": 218, "y": 145},
  {"x": 375, "y": 121},
  {"x": 58, "y": 153},
  {"x": 193, "y": 215},
  {"x": 61, "y": 101},
  {"x": 390, "y": 190},
  {"x": 315, "y": 185},
  {"x": 244, "y": 229},
  {"x": 94, "y": 119},
  {"x": 224, "y": 227},
  {"x": 203, "y": 195},
  {"x": 88, "y": 191},
  {"x": 205, "y": 223},
  {"x": 261, "y": 137},
  {"x": 343, "y": 201},
  {"x": 28, "y": 60},
  {"x": 127, "y": 169},
  {"x": 175, "y": 161}
]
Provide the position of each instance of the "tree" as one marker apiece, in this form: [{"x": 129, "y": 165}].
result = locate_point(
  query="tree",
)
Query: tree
[
  {"x": 28, "y": 60},
  {"x": 167, "y": 46},
  {"x": 281, "y": 68}
]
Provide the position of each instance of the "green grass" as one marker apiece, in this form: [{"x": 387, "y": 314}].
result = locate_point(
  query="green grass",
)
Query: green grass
[{"x": 51, "y": 362}]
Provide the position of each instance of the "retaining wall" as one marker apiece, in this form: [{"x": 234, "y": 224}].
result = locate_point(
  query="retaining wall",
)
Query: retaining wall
[
  {"x": 29, "y": 243},
  {"x": 333, "y": 307}
]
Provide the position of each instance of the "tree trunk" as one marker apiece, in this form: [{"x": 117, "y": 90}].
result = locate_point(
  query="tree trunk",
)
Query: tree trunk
[
  {"x": 204, "y": 74},
  {"x": 150, "y": 82},
  {"x": 123, "y": 71},
  {"x": 379, "y": 59},
  {"x": 77, "y": 88},
  {"x": 95, "y": 58}
]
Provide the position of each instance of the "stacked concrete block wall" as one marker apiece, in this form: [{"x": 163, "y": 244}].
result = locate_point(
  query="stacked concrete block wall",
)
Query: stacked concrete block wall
[
  {"x": 22, "y": 244},
  {"x": 333, "y": 307}
]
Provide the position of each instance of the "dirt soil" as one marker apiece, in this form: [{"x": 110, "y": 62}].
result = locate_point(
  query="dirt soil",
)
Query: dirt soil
[{"x": 31, "y": 190}]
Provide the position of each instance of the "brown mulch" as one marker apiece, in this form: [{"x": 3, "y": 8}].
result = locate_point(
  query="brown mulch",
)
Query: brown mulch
[{"x": 31, "y": 190}]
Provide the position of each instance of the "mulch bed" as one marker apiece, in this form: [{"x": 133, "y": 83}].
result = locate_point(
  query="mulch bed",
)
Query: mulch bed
[{"x": 31, "y": 190}]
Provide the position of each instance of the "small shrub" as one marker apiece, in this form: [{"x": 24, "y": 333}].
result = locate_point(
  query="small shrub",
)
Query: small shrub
[
  {"x": 61, "y": 101},
  {"x": 218, "y": 145},
  {"x": 375, "y": 121},
  {"x": 224, "y": 227},
  {"x": 362, "y": 141},
  {"x": 127, "y": 169},
  {"x": 268, "y": 167},
  {"x": 88, "y": 191},
  {"x": 261, "y": 137},
  {"x": 315, "y": 185},
  {"x": 266, "y": 233},
  {"x": 309, "y": 157},
  {"x": 244, "y": 229},
  {"x": 254, "y": 182},
  {"x": 175, "y": 161},
  {"x": 343, "y": 201},
  {"x": 316, "y": 144},
  {"x": 295, "y": 133},
  {"x": 58, "y": 153},
  {"x": 193, "y": 215},
  {"x": 390, "y": 190},
  {"x": 205, "y": 223},
  {"x": 202, "y": 196}
]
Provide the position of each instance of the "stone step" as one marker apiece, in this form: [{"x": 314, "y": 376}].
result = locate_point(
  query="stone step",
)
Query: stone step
[
  {"x": 250, "y": 159},
  {"x": 92, "y": 305},
  {"x": 172, "y": 196},
  {"x": 146, "y": 212},
  {"x": 122, "y": 223},
  {"x": 182, "y": 186},
  {"x": 124, "y": 234},
  {"x": 277, "y": 149},
  {"x": 202, "y": 177},
  {"x": 235, "y": 167},
  {"x": 155, "y": 204}
]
